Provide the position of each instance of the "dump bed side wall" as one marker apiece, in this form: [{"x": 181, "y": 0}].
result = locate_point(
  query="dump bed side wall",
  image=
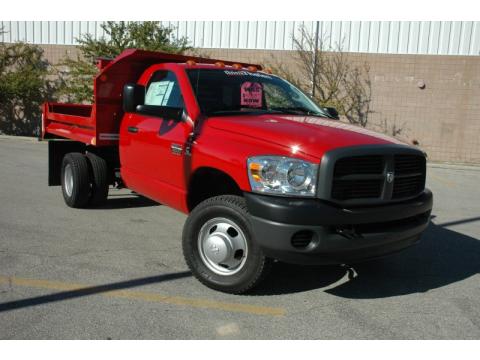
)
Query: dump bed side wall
[{"x": 70, "y": 121}]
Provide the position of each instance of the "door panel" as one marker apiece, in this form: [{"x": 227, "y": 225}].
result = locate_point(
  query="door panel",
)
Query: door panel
[{"x": 149, "y": 165}]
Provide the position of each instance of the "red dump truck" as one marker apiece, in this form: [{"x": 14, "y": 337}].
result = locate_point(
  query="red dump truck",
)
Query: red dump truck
[{"x": 263, "y": 173}]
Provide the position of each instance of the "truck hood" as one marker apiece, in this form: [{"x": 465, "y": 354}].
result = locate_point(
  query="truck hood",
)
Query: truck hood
[{"x": 307, "y": 134}]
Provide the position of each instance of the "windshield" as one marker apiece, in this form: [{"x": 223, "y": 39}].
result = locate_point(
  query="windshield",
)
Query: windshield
[{"x": 233, "y": 92}]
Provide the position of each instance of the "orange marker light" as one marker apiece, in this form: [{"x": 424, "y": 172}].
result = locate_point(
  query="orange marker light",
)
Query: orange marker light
[
  {"x": 220, "y": 64},
  {"x": 237, "y": 66},
  {"x": 268, "y": 71},
  {"x": 252, "y": 68},
  {"x": 191, "y": 62},
  {"x": 255, "y": 170}
]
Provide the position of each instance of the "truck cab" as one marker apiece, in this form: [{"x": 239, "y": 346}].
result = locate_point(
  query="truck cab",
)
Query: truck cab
[{"x": 263, "y": 173}]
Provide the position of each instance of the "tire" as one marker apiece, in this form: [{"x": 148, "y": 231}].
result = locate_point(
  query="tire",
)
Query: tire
[
  {"x": 75, "y": 180},
  {"x": 99, "y": 177},
  {"x": 214, "y": 219}
]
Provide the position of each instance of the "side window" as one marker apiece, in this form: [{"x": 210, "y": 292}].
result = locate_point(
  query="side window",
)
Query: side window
[{"x": 163, "y": 90}]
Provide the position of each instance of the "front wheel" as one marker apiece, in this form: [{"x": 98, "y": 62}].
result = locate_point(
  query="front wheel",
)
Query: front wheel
[{"x": 218, "y": 246}]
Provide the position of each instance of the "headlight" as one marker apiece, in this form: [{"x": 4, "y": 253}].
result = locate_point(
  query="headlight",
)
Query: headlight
[{"x": 279, "y": 175}]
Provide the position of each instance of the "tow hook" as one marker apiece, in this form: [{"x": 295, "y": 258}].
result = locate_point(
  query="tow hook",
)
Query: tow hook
[{"x": 348, "y": 232}]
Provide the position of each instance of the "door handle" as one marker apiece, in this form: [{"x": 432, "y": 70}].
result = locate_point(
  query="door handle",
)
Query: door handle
[{"x": 132, "y": 129}]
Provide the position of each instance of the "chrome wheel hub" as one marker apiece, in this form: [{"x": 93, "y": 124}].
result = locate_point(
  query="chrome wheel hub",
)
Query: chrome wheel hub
[
  {"x": 222, "y": 246},
  {"x": 68, "y": 179}
]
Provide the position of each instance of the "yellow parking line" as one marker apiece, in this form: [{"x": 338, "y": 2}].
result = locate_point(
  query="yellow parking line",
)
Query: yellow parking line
[{"x": 152, "y": 297}]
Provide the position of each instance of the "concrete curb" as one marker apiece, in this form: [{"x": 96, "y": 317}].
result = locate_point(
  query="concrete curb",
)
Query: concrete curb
[
  {"x": 23, "y": 138},
  {"x": 440, "y": 165}
]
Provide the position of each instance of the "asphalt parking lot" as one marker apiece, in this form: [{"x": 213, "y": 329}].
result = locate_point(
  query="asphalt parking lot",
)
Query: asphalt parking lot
[{"x": 118, "y": 272}]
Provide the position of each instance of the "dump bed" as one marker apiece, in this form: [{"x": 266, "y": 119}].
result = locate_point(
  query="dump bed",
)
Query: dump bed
[{"x": 98, "y": 124}]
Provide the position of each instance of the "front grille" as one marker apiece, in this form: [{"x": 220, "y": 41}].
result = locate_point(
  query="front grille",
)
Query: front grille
[
  {"x": 346, "y": 184},
  {"x": 365, "y": 177},
  {"x": 359, "y": 165},
  {"x": 356, "y": 189},
  {"x": 408, "y": 186},
  {"x": 409, "y": 176},
  {"x": 408, "y": 164}
]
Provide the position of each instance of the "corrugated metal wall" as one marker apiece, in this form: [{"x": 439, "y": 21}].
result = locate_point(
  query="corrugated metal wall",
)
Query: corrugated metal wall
[{"x": 393, "y": 37}]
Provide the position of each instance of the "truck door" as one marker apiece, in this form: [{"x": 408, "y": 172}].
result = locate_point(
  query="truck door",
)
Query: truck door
[{"x": 152, "y": 147}]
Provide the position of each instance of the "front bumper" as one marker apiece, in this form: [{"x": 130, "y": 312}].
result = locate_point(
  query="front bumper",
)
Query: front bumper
[{"x": 312, "y": 231}]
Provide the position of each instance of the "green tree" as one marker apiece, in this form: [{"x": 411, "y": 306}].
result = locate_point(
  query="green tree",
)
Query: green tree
[
  {"x": 24, "y": 85},
  {"x": 76, "y": 74}
]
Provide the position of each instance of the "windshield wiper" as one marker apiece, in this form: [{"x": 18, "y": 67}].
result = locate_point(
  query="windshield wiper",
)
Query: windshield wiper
[
  {"x": 296, "y": 110},
  {"x": 239, "y": 111}
]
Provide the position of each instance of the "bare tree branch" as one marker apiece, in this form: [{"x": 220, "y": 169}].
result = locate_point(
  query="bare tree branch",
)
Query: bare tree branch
[{"x": 339, "y": 82}]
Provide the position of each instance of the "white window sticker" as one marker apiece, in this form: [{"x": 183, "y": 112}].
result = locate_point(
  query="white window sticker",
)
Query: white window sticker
[{"x": 158, "y": 93}]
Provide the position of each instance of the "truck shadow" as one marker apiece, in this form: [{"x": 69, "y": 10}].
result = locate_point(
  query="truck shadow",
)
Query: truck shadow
[
  {"x": 441, "y": 258},
  {"x": 125, "y": 202}
]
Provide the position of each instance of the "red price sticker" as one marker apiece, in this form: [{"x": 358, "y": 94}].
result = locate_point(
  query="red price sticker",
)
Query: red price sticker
[{"x": 251, "y": 94}]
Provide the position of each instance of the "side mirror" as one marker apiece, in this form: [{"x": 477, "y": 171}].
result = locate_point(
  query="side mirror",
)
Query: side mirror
[
  {"x": 332, "y": 112},
  {"x": 166, "y": 112},
  {"x": 133, "y": 95}
]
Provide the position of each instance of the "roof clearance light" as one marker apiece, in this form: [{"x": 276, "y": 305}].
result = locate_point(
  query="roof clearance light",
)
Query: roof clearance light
[
  {"x": 220, "y": 64},
  {"x": 191, "y": 62},
  {"x": 268, "y": 71},
  {"x": 237, "y": 66},
  {"x": 252, "y": 68}
]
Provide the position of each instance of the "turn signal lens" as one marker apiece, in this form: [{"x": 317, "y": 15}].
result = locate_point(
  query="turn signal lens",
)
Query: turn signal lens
[
  {"x": 252, "y": 68},
  {"x": 255, "y": 169},
  {"x": 191, "y": 63},
  {"x": 220, "y": 64},
  {"x": 237, "y": 66}
]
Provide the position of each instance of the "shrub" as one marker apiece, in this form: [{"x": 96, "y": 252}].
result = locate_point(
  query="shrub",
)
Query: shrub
[{"x": 24, "y": 86}]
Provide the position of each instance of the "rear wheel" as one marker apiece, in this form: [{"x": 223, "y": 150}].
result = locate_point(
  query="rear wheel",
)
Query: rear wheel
[
  {"x": 219, "y": 248},
  {"x": 99, "y": 179},
  {"x": 75, "y": 180}
]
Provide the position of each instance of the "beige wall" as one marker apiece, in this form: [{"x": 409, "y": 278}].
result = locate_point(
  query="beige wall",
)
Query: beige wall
[
  {"x": 444, "y": 118},
  {"x": 56, "y": 53}
]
